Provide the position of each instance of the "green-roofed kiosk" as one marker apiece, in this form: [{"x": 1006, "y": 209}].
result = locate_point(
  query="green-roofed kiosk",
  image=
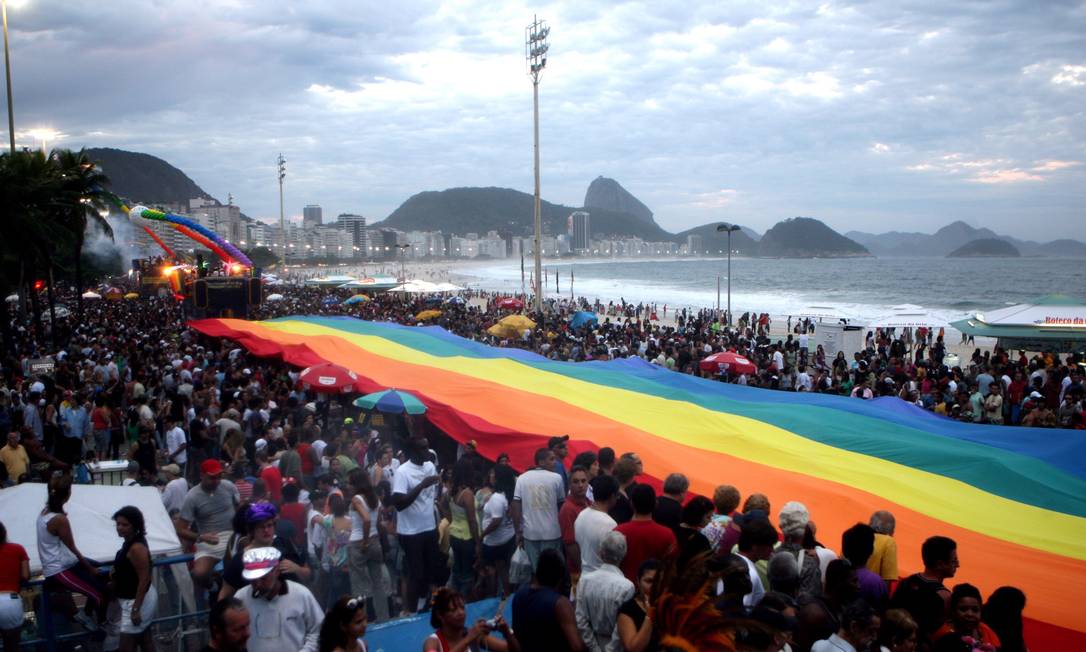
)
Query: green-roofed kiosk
[{"x": 1054, "y": 323}]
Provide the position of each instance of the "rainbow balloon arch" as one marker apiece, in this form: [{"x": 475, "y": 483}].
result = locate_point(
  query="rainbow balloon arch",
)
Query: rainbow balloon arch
[
  {"x": 1013, "y": 498},
  {"x": 229, "y": 254}
]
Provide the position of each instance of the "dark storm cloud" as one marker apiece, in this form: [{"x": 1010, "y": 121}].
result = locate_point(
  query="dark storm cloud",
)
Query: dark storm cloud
[{"x": 868, "y": 115}]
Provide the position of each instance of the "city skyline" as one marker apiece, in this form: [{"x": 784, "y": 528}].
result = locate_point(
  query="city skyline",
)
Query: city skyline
[{"x": 866, "y": 117}]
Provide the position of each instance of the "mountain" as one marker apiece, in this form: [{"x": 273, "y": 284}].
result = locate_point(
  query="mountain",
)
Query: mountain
[
  {"x": 609, "y": 195},
  {"x": 1064, "y": 248},
  {"x": 804, "y": 237},
  {"x": 986, "y": 248},
  {"x": 714, "y": 241},
  {"x": 955, "y": 235},
  {"x": 145, "y": 178},
  {"x": 478, "y": 210}
]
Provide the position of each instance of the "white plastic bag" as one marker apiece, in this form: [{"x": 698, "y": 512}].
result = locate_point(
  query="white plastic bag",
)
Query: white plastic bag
[{"x": 520, "y": 568}]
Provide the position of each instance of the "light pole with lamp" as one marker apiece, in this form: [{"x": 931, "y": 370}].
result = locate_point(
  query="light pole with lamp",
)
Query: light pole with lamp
[
  {"x": 729, "y": 229},
  {"x": 403, "y": 259},
  {"x": 535, "y": 49},
  {"x": 7, "y": 74},
  {"x": 282, "y": 167}
]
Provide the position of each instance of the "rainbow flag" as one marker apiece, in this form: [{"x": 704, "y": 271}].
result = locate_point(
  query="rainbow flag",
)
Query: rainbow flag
[{"x": 1013, "y": 498}]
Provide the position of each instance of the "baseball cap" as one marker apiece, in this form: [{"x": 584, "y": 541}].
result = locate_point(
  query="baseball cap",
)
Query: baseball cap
[
  {"x": 211, "y": 467},
  {"x": 258, "y": 562},
  {"x": 554, "y": 441},
  {"x": 794, "y": 517}
]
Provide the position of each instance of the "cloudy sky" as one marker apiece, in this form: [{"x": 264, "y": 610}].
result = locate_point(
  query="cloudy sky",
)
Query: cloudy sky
[{"x": 867, "y": 115}]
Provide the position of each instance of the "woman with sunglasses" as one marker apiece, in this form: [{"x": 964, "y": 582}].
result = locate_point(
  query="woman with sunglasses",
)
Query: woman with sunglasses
[{"x": 344, "y": 626}]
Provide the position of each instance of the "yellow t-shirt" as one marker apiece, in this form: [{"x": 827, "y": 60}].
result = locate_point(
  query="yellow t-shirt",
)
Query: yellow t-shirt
[
  {"x": 883, "y": 561},
  {"x": 15, "y": 460}
]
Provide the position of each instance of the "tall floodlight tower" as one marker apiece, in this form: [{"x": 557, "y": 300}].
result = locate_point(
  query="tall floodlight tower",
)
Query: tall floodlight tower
[
  {"x": 535, "y": 50},
  {"x": 282, "y": 163}
]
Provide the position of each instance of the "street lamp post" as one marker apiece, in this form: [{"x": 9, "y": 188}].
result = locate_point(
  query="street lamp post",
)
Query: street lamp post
[
  {"x": 729, "y": 229},
  {"x": 282, "y": 165},
  {"x": 7, "y": 73},
  {"x": 403, "y": 259},
  {"x": 535, "y": 49}
]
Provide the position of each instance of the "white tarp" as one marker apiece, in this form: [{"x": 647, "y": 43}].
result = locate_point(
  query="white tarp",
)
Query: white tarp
[{"x": 90, "y": 511}]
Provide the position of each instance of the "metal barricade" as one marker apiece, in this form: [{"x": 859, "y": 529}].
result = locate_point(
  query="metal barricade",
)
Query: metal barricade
[{"x": 48, "y": 639}]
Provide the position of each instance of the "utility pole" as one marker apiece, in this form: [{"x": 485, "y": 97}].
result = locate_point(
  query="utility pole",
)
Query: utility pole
[
  {"x": 535, "y": 50},
  {"x": 282, "y": 163}
]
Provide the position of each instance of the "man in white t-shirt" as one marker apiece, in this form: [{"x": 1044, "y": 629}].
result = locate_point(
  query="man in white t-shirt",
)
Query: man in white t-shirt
[
  {"x": 536, "y": 501},
  {"x": 414, "y": 493},
  {"x": 176, "y": 444},
  {"x": 593, "y": 523}
]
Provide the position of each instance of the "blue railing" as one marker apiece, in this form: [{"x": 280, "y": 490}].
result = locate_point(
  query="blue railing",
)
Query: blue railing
[{"x": 48, "y": 638}]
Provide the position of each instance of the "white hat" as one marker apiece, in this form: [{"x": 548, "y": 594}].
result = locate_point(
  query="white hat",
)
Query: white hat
[
  {"x": 38, "y": 387},
  {"x": 261, "y": 444},
  {"x": 258, "y": 562}
]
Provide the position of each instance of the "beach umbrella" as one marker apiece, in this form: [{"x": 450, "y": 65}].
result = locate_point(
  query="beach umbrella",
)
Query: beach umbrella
[
  {"x": 275, "y": 297},
  {"x": 456, "y": 300},
  {"x": 728, "y": 361},
  {"x": 113, "y": 293},
  {"x": 132, "y": 295},
  {"x": 510, "y": 303},
  {"x": 427, "y": 314},
  {"x": 358, "y": 298},
  {"x": 511, "y": 326},
  {"x": 12, "y": 298},
  {"x": 583, "y": 317},
  {"x": 329, "y": 378},
  {"x": 330, "y": 301},
  {"x": 391, "y": 401},
  {"x": 90, "y": 294}
]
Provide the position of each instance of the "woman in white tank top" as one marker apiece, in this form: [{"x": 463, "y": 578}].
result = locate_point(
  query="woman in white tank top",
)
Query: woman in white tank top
[
  {"x": 63, "y": 566},
  {"x": 369, "y": 575}
]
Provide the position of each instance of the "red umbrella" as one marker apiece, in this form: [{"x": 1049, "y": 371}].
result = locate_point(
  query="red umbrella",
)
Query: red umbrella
[
  {"x": 509, "y": 303},
  {"x": 329, "y": 378},
  {"x": 728, "y": 361}
]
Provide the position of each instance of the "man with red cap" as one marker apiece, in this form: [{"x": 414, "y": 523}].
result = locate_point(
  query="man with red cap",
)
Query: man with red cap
[{"x": 207, "y": 517}]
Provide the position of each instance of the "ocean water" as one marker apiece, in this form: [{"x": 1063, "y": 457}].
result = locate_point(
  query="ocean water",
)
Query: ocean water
[{"x": 859, "y": 288}]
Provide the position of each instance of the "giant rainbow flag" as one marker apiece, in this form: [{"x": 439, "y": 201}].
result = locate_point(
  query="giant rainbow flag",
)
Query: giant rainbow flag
[{"x": 1013, "y": 498}]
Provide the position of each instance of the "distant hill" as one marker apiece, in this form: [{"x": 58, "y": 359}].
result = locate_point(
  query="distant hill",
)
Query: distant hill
[
  {"x": 742, "y": 244},
  {"x": 986, "y": 248},
  {"x": 478, "y": 210},
  {"x": 145, "y": 178},
  {"x": 955, "y": 235},
  {"x": 804, "y": 237},
  {"x": 609, "y": 195}
]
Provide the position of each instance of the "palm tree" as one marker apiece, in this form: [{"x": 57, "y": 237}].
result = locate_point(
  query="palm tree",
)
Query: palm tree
[
  {"x": 80, "y": 202},
  {"x": 27, "y": 188}
]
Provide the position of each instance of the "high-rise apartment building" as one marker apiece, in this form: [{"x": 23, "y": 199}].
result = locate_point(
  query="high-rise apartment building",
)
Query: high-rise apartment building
[
  {"x": 312, "y": 217},
  {"x": 580, "y": 230}
]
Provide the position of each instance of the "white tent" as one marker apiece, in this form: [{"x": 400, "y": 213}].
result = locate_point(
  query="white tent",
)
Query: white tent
[
  {"x": 90, "y": 510},
  {"x": 275, "y": 297},
  {"x": 91, "y": 294},
  {"x": 448, "y": 287},
  {"x": 908, "y": 316},
  {"x": 416, "y": 287},
  {"x": 823, "y": 312}
]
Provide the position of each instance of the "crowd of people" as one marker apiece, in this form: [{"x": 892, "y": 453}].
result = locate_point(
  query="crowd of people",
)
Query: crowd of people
[{"x": 306, "y": 521}]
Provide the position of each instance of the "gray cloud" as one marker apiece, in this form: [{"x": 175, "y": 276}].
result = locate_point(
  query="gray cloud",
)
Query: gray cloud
[{"x": 863, "y": 114}]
